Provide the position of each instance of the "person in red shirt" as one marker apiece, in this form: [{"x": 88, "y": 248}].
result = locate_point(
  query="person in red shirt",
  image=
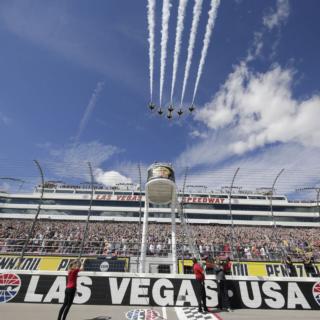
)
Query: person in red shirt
[
  {"x": 200, "y": 287},
  {"x": 73, "y": 270}
]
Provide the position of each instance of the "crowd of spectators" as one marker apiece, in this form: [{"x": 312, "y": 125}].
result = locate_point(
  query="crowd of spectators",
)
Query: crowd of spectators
[{"x": 103, "y": 238}]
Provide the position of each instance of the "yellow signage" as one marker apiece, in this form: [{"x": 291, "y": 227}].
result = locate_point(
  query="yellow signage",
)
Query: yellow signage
[
  {"x": 41, "y": 263},
  {"x": 258, "y": 269}
]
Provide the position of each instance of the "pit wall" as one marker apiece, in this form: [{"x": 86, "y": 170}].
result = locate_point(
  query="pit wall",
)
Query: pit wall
[{"x": 99, "y": 288}]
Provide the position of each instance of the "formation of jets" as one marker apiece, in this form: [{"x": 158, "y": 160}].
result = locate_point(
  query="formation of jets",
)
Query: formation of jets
[{"x": 170, "y": 110}]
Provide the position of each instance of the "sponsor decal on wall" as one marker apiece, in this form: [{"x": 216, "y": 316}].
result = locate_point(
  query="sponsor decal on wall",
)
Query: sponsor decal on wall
[
  {"x": 256, "y": 268},
  {"x": 316, "y": 292},
  {"x": 52, "y": 263},
  {"x": 138, "y": 291},
  {"x": 10, "y": 284}
]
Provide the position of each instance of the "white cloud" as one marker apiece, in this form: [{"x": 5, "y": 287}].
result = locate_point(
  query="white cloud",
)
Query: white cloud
[
  {"x": 275, "y": 18},
  {"x": 259, "y": 109},
  {"x": 110, "y": 178},
  {"x": 91, "y": 105}
]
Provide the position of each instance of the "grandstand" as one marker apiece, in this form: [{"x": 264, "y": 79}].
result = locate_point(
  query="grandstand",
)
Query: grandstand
[{"x": 93, "y": 220}]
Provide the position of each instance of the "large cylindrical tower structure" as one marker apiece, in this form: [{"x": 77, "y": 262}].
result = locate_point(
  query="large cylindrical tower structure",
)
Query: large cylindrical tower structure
[{"x": 160, "y": 189}]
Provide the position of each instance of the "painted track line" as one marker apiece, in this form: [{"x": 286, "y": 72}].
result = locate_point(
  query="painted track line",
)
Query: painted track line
[{"x": 164, "y": 313}]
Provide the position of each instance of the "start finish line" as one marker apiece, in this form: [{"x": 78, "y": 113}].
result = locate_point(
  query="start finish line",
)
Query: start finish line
[{"x": 154, "y": 290}]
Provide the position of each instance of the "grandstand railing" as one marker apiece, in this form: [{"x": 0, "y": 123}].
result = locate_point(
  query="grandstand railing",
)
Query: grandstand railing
[{"x": 98, "y": 248}]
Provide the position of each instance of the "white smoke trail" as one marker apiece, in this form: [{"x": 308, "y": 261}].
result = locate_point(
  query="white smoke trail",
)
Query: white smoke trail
[
  {"x": 206, "y": 41},
  {"x": 177, "y": 46},
  {"x": 193, "y": 33},
  {"x": 164, "y": 41},
  {"x": 151, "y": 26},
  {"x": 92, "y": 103}
]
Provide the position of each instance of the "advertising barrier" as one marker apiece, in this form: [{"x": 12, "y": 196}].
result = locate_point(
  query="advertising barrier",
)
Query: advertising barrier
[
  {"x": 151, "y": 290},
  {"x": 256, "y": 268},
  {"x": 53, "y": 263}
]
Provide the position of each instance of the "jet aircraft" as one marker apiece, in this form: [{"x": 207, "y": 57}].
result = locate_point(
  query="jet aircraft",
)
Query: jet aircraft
[
  {"x": 191, "y": 108},
  {"x": 152, "y": 106}
]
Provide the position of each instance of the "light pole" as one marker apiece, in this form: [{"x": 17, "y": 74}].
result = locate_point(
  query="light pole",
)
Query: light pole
[
  {"x": 230, "y": 209},
  {"x": 271, "y": 196},
  {"x": 140, "y": 215},
  {"x": 89, "y": 212},
  {"x": 35, "y": 217}
]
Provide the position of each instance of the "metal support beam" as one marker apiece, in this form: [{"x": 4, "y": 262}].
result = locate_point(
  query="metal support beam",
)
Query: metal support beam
[
  {"x": 30, "y": 234},
  {"x": 173, "y": 233},
  {"x": 144, "y": 234},
  {"x": 271, "y": 196},
  {"x": 230, "y": 209},
  {"x": 89, "y": 212}
]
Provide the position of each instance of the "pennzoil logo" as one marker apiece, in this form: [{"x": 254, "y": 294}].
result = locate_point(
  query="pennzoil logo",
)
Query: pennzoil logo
[
  {"x": 10, "y": 284},
  {"x": 316, "y": 292},
  {"x": 142, "y": 314}
]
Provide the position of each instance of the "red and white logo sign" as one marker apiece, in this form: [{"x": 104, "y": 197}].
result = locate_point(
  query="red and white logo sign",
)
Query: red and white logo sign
[
  {"x": 316, "y": 292},
  {"x": 10, "y": 284}
]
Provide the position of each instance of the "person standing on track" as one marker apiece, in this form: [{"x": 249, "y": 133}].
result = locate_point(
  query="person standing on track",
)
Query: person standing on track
[
  {"x": 73, "y": 270},
  {"x": 200, "y": 287}
]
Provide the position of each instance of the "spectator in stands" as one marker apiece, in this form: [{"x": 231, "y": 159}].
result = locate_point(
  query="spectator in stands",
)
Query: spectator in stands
[
  {"x": 64, "y": 237},
  {"x": 262, "y": 253}
]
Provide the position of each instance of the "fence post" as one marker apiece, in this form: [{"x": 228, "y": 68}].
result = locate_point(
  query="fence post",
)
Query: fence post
[
  {"x": 140, "y": 216},
  {"x": 89, "y": 213},
  {"x": 35, "y": 217},
  {"x": 230, "y": 209}
]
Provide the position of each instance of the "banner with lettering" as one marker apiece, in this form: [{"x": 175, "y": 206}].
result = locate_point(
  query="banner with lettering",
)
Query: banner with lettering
[{"x": 130, "y": 290}]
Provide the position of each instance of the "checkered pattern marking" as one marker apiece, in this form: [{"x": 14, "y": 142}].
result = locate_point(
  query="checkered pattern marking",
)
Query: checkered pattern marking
[{"x": 193, "y": 313}]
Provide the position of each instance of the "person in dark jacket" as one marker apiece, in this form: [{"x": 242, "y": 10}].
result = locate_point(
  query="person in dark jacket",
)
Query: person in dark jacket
[
  {"x": 308, "y": 266},
  {"x": 223, "y": 299},
  {"x": 200, "y": 287},
  {"x": 290, "y": 267}
]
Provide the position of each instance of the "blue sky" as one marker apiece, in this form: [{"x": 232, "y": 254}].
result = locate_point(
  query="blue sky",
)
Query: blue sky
[{"x": 74, "y": 87}]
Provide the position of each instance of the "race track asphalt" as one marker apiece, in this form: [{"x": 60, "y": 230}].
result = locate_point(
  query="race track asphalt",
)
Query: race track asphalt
[{"x": 23, "y": 311}]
